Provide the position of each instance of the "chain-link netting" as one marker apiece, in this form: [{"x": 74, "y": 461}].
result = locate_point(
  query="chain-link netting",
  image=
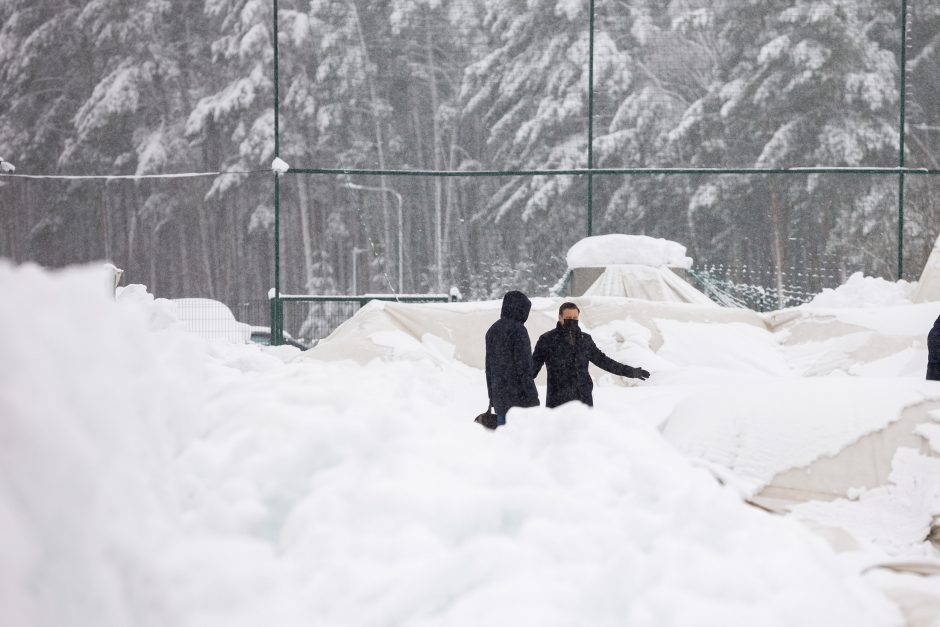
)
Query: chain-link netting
[
  {"x": 467, "y": 85},
  {"x": 182, "y": 238}
]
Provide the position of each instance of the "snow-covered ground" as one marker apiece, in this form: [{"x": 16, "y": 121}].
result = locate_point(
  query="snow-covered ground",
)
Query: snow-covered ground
[{"x": 149, "y": 476}]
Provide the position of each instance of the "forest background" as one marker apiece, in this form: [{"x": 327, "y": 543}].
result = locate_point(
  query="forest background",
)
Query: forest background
[{"x": 172, "y": 86}]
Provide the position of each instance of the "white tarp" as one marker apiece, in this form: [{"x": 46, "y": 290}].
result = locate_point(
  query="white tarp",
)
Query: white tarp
[
  {"x": 388, "y": 330},
  {"x": 928, "y": 287},
  {"x": 812, "y": 460},
  {"x": 646, "y": 282}
]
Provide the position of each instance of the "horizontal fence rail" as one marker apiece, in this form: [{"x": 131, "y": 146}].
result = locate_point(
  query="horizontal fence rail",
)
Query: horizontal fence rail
[{"x": 601, "y": 171}]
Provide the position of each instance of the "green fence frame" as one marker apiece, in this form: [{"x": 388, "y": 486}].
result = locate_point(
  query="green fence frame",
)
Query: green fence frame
[{"x": 901, "y": 171}]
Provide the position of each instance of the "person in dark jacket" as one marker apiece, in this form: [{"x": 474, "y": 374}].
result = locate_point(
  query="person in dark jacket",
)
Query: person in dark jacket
[
  {"x": 509, "y": 378},
  {"x": 933, "y": 352},
  {"x": 566, "y": 352}
]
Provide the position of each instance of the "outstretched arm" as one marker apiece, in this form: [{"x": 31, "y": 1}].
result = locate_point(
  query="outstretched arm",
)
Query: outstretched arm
[{"x": 602, "y": 361}]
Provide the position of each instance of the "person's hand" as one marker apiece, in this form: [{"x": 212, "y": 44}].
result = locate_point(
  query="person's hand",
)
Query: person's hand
[{"x": 642, "y": 375}]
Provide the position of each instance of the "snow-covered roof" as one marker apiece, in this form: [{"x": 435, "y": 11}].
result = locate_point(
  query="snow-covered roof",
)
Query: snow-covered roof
[{"x": 607, "y": 250}]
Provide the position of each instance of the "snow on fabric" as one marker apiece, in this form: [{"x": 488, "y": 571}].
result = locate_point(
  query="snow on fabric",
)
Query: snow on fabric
[
  {"x": 463, "y": 324},
  {"x": 647, "y": 283},
  {"x": 896, "y": 516},
  {"x": 864, "y": 291},
  {"x": 605, "y": 250},
  {"x": 151, "y": 477},
  {"x": 808, "y": 419}
]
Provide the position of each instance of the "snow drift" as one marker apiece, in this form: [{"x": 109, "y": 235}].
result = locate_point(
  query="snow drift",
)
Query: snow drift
[{"x": 153, "y": 478}]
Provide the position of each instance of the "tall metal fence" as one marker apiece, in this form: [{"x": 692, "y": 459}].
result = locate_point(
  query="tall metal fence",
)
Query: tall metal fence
[
  {"x": 470, "y": 143},
  {"x": 593, "y": 181}
]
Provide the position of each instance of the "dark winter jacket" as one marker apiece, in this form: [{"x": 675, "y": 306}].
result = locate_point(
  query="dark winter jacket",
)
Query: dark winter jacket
[
  {"x": 509, "y": 357},
  {"x": 933, "y": 352},
  {"x": 567, "y": 365}
]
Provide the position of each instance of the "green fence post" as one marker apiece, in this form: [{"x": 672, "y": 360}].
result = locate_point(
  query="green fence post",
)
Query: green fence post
[
  {"x": 901, "y": 160},
  {"x": 590, "y": 194},
  {"x": 273, "y": 312},
  {"x": 277, "y": 331}
]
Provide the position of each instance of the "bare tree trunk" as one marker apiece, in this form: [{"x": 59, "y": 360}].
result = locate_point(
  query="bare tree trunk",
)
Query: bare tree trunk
[
  {"x": 453, "y": 205},
  {"x": 183, "y": 286},
  {"x": 428, "y": 218},
  {"x": 131, "y": 211},
  {"x": 154, "y": 252},
  {"x": 379, "y": 140},
  {"x": 107, "y": 224},
  {"x": 306, "y": 232},
  {"x": 232, "y": 263},
  {"x": 777, "y": 244},
  {"x": 437, "y": 150},
  {"x": 204, "y": 243}
]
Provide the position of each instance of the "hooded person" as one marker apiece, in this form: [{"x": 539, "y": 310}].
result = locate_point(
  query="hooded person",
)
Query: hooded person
[
  {"x": 933, "y": 352},
  {"x": 509, "y": 379},
  {"x": 566, "y": 351}
]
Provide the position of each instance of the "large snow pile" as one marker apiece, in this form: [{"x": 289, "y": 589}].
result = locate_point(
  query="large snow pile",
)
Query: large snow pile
[
  {"x": 149, "y": 477},
  {"x": 864, "y": 291},
  {"x": 616, "y": 249}
]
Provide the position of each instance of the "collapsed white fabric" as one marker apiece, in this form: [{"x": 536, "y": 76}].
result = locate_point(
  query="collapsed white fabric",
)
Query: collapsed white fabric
[
  {"x": 646, "y": 282},
  {"x": 456, "y": 330},
  {"x": 684, "y": 343},
  {"x": 928, "y": 287},
  {"x": 783, "y": 451},
  {"x": 865, "y": 463}
]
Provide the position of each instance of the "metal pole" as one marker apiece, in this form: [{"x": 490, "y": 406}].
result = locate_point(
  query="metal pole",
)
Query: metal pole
[
  {"x": 277, "y": 331},
  {"x": 401, "y": 246},
  {"x": 590, "y": 164},
  {"x": 903, "y": 99}
]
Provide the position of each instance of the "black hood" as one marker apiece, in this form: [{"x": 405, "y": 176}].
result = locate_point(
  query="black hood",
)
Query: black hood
[{"x": 516, "y": 306}]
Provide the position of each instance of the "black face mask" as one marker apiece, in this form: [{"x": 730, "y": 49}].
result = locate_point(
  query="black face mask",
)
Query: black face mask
[{"x": 570, "y": 327}]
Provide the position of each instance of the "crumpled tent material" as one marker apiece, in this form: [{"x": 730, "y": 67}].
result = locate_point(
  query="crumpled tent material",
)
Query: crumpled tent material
[
  {"x": 455, "y": 330},
  {"x": 815, "y": 343},
  {"x": 452, "y": 333},
  {"x": 866, "y": 463},
  {"x": 928, "y": 286},
  {"x": 648, "y": 283}
]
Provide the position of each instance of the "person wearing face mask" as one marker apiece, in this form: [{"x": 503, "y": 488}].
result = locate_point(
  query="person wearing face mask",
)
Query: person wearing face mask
[{"x": 566, "y": 351}]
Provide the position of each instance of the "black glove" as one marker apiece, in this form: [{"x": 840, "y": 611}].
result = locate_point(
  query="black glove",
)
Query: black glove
[{"x": 639, "y": 373}]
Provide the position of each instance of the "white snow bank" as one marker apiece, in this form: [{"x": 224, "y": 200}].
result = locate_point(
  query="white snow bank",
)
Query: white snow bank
[
  {"x": 605, "y": 250},
  {"x": 145, "y": 480},
  {"x": 397, "y": 509},
  {"x": 864, "y": 291},
  {"x": 94, "y": 407}
]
